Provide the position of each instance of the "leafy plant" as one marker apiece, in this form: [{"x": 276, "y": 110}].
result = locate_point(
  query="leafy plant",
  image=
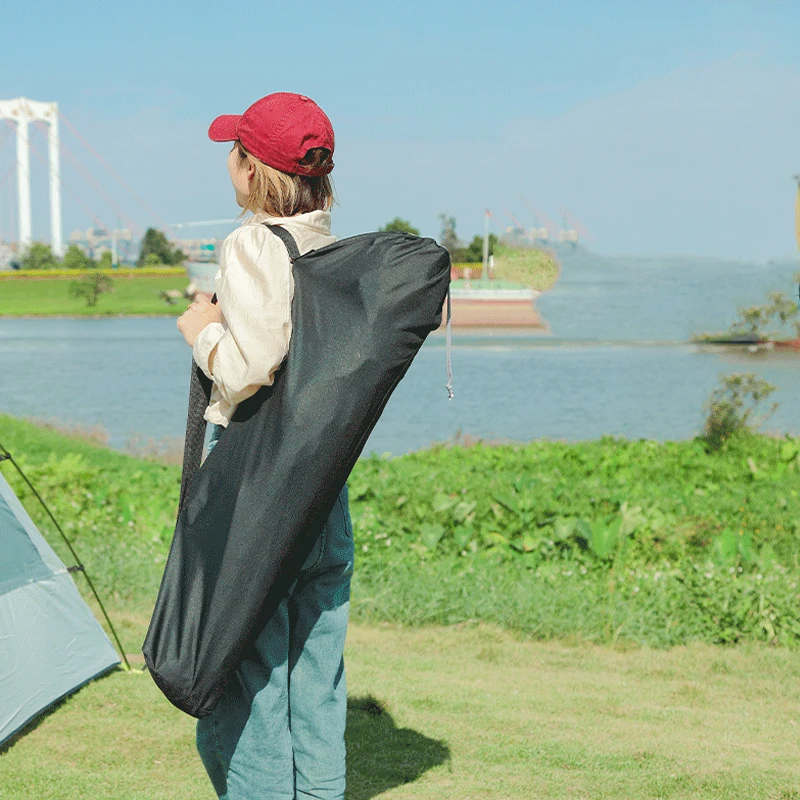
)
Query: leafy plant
[
  {"x": 753, "y": 322},
  {"x": 91, "y": 286},
  {"x": 473, "y": 252},
  {"x": 731, "y": 407},
  {"x": 658, "y": 543}
]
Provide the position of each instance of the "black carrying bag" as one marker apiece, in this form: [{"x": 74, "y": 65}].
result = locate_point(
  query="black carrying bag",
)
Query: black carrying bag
[{"x": 250, "y": 515}]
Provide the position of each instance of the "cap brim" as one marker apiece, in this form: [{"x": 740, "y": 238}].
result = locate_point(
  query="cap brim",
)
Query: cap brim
[{"x": 224, "y": 128}]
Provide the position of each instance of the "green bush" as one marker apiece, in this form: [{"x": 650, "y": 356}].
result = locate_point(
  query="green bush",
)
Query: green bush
[
  {"x": 655, "y": 543},
  {"x": 91, "y": 286},
  {"x": 75, "y": 258},
  {"x": 732, "y": 406},
  {"x": 38, "y": 256}
]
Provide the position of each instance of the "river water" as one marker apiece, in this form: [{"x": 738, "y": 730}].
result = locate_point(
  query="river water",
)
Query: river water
[{"x": 617, "y": 363}]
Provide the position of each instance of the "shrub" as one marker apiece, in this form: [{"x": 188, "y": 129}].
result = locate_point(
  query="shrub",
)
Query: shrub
[
  {"x": 75, "y": 258},
  {"x": 38, "y": 256},
  {"x": 731, "y": 407},
  {"x": 91, "y": 286}
]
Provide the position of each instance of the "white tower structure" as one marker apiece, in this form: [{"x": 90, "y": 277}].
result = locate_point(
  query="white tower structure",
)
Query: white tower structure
[{"x": 23, "y": 111}]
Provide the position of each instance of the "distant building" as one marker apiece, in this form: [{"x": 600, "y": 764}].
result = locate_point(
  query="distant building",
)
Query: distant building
[
  {"x": 199, "y": 250},
  {"x": 8, "y": 256},
  {"x": 525, "y": 237},
  {"x": 96, "y": 241}
]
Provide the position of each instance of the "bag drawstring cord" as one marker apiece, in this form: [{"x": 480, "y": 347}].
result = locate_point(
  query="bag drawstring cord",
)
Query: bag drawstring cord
[{"x": 449, "y": 348}]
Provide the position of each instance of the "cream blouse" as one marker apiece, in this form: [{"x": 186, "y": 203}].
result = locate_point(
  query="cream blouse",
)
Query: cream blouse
[{"x": 254, "y": 287}]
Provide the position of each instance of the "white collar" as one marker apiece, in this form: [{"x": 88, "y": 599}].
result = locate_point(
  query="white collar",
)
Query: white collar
[{"x": 316, "y": 221}]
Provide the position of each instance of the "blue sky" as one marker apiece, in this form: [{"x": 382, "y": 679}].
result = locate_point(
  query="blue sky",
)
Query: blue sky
[{"x": 664, "y": 127}]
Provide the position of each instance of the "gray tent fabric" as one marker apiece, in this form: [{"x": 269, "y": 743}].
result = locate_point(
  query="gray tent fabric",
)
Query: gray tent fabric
[{"x": 50, "y": 642}]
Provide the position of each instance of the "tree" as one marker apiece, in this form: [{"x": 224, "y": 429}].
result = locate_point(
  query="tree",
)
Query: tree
[
  {"x": 91, "y": 286},
  {"x": 106, "y": 260},
  {"x": 473, "y": 252},
  {"x": 38, "y": 256},
  {"x": 449, "y": 237},
  {"x": 156, "y": 243},
  {"x": 752, "y": 323},
  {"x": 75, "y": 258},
  {"x": 755, "y": 319},
  {"x": 782, "y": 307},
  {"x": 402, "y": 225}
]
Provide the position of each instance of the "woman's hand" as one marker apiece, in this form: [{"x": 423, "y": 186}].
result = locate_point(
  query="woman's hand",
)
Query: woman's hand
[{"x": 201, "y": 312}]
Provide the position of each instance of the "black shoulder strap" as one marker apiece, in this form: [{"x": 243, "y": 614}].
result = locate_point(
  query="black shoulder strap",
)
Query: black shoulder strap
[{"x": 288, "y": 240}]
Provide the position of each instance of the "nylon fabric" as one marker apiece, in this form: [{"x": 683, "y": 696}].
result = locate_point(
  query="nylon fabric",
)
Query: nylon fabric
[
  {"x": 362, "y": 308},
  {"x": 50, "y": 643},
  {"x": 21, "y": 562}
]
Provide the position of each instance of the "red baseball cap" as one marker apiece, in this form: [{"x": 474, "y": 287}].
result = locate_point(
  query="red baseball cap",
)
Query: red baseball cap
[{"x": 279, "y": 129}]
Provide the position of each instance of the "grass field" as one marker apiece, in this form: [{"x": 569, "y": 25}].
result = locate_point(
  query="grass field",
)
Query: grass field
[
  {"x": 507, "y": 604},
  {"x": 35, "y": 294},
  {"x": 471, "y": 713},
  {"x": 42, "y": 297}
]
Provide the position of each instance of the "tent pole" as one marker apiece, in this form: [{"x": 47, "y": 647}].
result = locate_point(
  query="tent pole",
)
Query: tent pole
[{"x": 6, "y": 456}]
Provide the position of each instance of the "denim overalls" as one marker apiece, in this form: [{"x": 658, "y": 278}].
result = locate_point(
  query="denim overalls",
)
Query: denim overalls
[{"x": 277, "y": 733}]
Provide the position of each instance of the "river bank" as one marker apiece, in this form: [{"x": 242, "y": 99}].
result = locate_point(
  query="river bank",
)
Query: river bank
[
  {"x": 132, "y": 295},
  {"x": 144, "y": 293}
]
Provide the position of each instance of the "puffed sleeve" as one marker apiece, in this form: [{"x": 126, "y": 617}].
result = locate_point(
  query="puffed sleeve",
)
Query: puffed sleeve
[{"x": 254, "y": 290}]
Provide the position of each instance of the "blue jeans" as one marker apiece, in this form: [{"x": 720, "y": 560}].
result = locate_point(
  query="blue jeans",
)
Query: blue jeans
[{"x": 277, "y": 733}]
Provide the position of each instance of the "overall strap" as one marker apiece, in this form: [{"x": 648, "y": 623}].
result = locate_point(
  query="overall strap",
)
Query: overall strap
[{"x": 288, "y": 240}]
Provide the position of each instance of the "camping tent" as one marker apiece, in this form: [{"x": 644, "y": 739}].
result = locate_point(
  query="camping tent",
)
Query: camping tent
[{"x": 50, "y": 642}]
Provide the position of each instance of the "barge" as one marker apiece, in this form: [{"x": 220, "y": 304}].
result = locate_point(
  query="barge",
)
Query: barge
[{"x": 495, "y": 304}]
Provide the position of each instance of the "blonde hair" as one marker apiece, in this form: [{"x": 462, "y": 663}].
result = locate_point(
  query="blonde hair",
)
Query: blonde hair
[{"x": 283, "y": 195}]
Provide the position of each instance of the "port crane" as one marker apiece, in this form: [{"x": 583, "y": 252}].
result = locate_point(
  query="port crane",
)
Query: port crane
[
  {"x": 547, "y": 229},
  {"x": 572, "y": 228}
]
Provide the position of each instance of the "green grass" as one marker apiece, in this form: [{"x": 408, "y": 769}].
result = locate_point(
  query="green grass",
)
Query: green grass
[
  {"x": 471, "y": 713},
  {"x": 581, "y": 586},
  {"x": 657, "y": 544},
  {"x": 40, "y": 297},
  {"x": 538, "y": 269}
]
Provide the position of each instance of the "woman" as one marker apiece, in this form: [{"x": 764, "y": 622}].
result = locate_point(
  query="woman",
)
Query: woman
[{"x": 278, "y": 731}]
